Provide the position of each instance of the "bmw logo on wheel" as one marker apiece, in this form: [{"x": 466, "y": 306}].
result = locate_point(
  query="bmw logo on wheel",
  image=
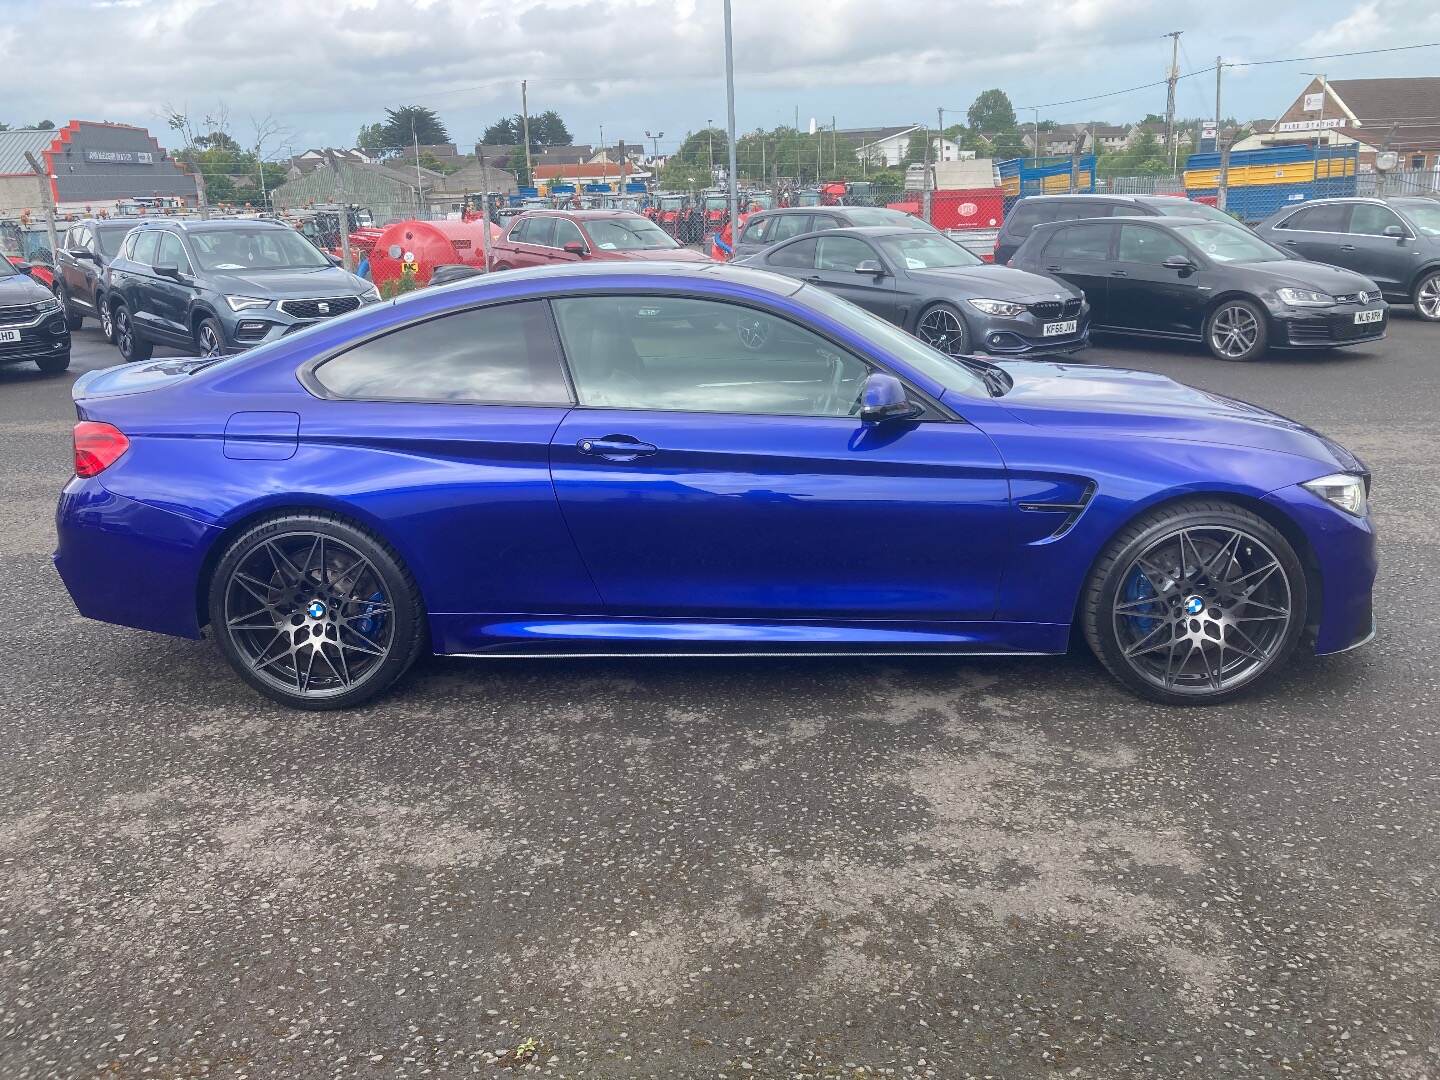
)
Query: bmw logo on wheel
[
  {"x": 316, "y": 610},
  {"x": 1193, "y": 605}
]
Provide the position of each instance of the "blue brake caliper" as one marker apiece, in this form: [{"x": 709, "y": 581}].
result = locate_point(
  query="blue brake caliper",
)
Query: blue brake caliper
[
  {"x": 1139, "y": 588},
  {"x": 371, "y": 623}
]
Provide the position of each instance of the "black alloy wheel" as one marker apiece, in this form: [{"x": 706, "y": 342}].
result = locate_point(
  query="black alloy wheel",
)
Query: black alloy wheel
[{"x": 943, "y": 328}]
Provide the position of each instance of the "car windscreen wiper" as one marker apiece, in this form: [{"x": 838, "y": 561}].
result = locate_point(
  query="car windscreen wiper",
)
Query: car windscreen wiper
[{"x": 995, "y": 379}]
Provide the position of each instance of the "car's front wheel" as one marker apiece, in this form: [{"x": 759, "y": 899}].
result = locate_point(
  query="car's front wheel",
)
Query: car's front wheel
[
  {"x": 209, "y": 337},
  {"x": 1195, "y": 602},
  {"x": 942, "y": 327},
  {"x": 315, "y": 612},
  {"x": 1427, "y": 297},
  {"x": 133, "y": 348},
  {"x": 1236, "y": 330}
]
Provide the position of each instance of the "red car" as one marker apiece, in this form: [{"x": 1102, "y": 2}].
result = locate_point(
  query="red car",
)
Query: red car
[{"x": 550, "y": 237}]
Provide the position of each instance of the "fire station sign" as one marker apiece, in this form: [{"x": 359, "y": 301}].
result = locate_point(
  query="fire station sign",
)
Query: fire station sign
[{"x": 1311, "y": 125}]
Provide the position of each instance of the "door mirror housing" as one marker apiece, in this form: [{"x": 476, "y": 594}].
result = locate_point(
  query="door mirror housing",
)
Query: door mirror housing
[
  {"x": 1396, "y": 231},
  {"x": 575, "y": 247},
  {"x": 80, "y": 253},
  {"x": 1179, "y": 262},
  {"x": 335, "y": 260},
  {"x": 167, "y": 270},
  {"x": 883, "y": 398},
  {"x": 870, "y": 266}
]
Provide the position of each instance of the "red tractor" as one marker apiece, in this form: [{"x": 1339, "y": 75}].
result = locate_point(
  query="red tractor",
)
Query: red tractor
[{"x": 670, "y": 212}]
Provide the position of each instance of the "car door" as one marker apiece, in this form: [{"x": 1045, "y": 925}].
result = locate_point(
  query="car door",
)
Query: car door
[
  {"x": 787, "y": 226},
  {"x": 1080, "y": 253},
  {"x": 78, "y": 267},
  {"x": 1317, "y": 233},
  {"x": 1144, "y": 294},
  {"x": 170, "y": 296},
  {"x": 1389, "y": 261},
  {"x": 535, "y": 242},
  {"x": 836, "y": 260},
  {"x": 714, "y": 470},
  {"x": 566, "y": 232},
  {"x": 752, "y": 237},
  {"x": 139, "y": 286}
]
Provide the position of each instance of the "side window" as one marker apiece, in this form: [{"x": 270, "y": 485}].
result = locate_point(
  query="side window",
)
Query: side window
[
  {"x": 801, "y": 254},
  {"x": 541, "y": 231},
  {"x": 821, "y": 222},
  {"x": 755, "y": 231},
  {"x": 1078, "y": 209},
  {"x": 87, "y": 239},
  {"x": 1369, "y": 219},
  {"x": 172, "y": 253},
  {"x": 492, "y": 355},
  {"x": 1080, "y": 242},
  {"x": 1330, "y": 217},
  {"x": 72, "y": 238},
  {"x": 842, "y": 253},
  {"x": 1142, "y": 244},
  {"x": 146, "y": 245},
  {"x": 788, "y": 225},
  {"x": 567, "y": 232},
  {"x": 676, "y": 354},
  {"x": 517, "y": 231},
  {"x": 1027, "y": 215}
]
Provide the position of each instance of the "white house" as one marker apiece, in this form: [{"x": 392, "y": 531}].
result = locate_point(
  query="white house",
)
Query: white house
[{"x": 889, "y": 145}]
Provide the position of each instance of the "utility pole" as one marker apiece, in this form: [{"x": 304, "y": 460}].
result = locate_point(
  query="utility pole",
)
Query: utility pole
[
  {"x": 730, "y": 121},
  {"x": 1220, "y": 145},
  {"x": 1320, "y": 131},
  {"x": 484, "y": 205},
  {"x": 200, "y": 192},
  {"x": 1035, "y": 157},
  {"x": 940, "y": 139},
  {"x": 47, "y": 204},
  {"x": 834, "y": 168},
  {"x": 623, "y": 162},
  {"x": 710, "y": 134},
  {"x": 1171, "y": 79},
  {"x": 525, "y": 127}
]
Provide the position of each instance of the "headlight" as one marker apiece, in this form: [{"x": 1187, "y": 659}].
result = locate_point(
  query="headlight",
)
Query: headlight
[
  {"x": 370, "y": 295},
  {"x": 1304, "y": 297},
  {"x": 997, "y": 307},
  {"x": 1344, "y": 490},
  {"x": 245, "y": 303},
  {"x": 48, "y": 305}
]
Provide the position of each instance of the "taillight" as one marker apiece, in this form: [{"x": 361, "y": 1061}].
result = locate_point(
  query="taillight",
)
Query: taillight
[{"x": 97, "y": 447}]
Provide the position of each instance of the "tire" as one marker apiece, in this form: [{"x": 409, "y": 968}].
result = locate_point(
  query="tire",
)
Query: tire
[
  {"x": 346, "y": 615},
  {"x": 209, "y": 337},
  {"x": 1238, "y": 571},
  {"x": 1426, "y": 296},
  {"x": 1236, "y": 330},
  {"x": 133, "y": 348},
  {"x": 54, "y": 365},
  {"x": 107, "y": 317},
  {"x": 941, "y": 326},
  {"x": 73, "y": 322}
]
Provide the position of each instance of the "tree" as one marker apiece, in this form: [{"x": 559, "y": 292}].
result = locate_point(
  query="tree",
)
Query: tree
[
  {"x": 915, "y": 149},
  {"x": 548, "y": 129},
  {"x": 681, "y": 175},
  {"x": 372, "y": 140},
  {"x": 412, "y": 124},
  {"x": 46, "y": 125},
  {"x": 506, "y": 131},
  {"x": 991, "y": 111}
]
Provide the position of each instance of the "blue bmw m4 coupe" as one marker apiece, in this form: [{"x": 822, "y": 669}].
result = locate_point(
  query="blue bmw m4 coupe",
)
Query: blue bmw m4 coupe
[{"x": 689, "y": 459}]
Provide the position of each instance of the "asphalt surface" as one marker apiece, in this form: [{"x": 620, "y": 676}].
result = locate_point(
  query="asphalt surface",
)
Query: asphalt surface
[{"x": 736, "y": 868}]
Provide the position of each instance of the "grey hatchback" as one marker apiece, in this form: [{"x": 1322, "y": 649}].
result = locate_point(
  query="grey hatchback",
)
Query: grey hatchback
[
  {"x": 1394, "y": 242},
  {"x": 770, "y": 227}
]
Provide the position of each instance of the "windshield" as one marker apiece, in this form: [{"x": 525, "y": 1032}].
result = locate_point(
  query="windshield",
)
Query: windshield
[
  {"x": 950, "y": 374},
  {"x": 1230, "y": 243},
  {"x": 255, "y": 249},
  {"x": 716, "y": 202},
  {"x": 928, "y": 251},
  {"x": 110, "y": 239},
  {"x": 877, "y": 215},
  {"x": 764, "y": 202},
  {"x": 1425, "y": 215},
  {"x": 672, "y": 202},
  {"x": 629, "y": 234},
  {"x": 1186, "y": 208}
]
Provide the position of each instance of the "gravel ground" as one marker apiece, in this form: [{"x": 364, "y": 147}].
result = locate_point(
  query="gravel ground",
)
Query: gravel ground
[{"x": 730, "y": 869}]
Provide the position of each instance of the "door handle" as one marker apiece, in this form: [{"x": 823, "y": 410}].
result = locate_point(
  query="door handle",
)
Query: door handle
[
  {"x": 616, "y": 447},
  {"x": 1347, "y": 247},
  {"x": 1119, "y": 273},
  {"x": 1292, "y": 243},
  {"x": 1053, "y": 269},
  {"x": 815, "y": 279}
]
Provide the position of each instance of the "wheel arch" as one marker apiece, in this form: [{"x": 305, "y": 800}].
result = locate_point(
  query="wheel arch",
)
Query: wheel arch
[
  {"x": 200, "y": 311},
  {"x": 1419, "y": 275}
]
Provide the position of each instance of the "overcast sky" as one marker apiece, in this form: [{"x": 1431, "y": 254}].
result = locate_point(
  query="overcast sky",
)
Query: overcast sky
[{"x": 324, "y": 67}]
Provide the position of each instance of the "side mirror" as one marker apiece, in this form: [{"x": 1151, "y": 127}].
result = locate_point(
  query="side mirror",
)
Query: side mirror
[
  {"x": 80, "y": 253},
  {"x": 167, "y": 270},
  {"x": 883, "y": 398},
  {"x": 575, "y": 247},
  {"x": 335, "y": 260},
  {"x": 24, "y": 268},
  {"x": 869, "y": 266},
  {"x": 1396, "y": 231},
  {"x": 1178, "y": 262}
]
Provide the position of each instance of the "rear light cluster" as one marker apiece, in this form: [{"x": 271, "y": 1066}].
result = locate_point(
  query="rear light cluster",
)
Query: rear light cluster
[{"x": 97, "y": 447}]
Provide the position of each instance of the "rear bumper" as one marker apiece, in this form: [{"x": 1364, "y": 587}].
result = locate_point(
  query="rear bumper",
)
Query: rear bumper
[{"x": 128, "y": 563}]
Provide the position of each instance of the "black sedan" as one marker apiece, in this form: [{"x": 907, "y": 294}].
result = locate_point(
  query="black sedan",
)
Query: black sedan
[
  {"x": 1207, "y": 281},
  {"x": 932, "y": 287}
]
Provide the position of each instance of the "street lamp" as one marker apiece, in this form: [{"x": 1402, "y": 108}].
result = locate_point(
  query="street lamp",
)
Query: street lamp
[
  {"x": 1320, "y": 130},
  {"x": 654, "y": 157}
]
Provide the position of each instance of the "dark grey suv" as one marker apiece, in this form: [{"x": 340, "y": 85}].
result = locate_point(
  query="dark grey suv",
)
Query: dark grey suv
[
  {"x": 1393, "y": 242},
  {"x": 770, "y": 227},
  {"x": 222, "y": 286}
]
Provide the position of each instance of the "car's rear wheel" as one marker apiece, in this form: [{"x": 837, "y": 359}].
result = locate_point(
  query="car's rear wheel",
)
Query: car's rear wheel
[
  {"x": 1195, "y": 603},
  {"x": 315, "y": 612},
  {"x": 72, "y": 321},
  {"x": 133, "y": 348},
  {"x": 1427, "y": 297},
  {"x": 1236, "y": 330},
  {"x": 942, "y": 327},
  {"x": 107, "y": 317},
  {"x": 209, "y": 338}
]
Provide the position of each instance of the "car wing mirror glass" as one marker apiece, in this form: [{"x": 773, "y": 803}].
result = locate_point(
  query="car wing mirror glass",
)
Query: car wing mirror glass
[
  {"x": 869, "y": 266},
  {"x": 883, "y": 398}
]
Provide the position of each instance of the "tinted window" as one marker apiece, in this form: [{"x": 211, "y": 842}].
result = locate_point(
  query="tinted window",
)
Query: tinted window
[
  {"x": 498, "y": 354},
  {"x": 824, "y": 221},
  {"x": 517, "y": 231},
  {"x": 755, "y": 231},
  {"x": 243, "y": 248},
  {"x": 109, "y": 240},
  {"x": 1026, "y": 216},
  {"x": 1188, "y": 208},
  {"x": 1080, "y": 242},
  {"x": 880, "y": 215},
  {"x": 842, "y": 253},
  {"x": 801, "y": 253},
  {"x": 1327, "y": 218},
  {"x": 1230, "y": 243},
  {"x": 567, "y": 232},
  {"x": 72, "y": 238},
  {"x": 172, "y": 253},
  {"x": 677, "y": 354},
  {"x": 788, "y": 225},
  {"x": 1371, "y": 220},
  {"x": 146, "y": 244},
  {"x": 541, "y": 231},
  {"x": 1141, "y": 244},
  {"x": 1084, "y": 208}
]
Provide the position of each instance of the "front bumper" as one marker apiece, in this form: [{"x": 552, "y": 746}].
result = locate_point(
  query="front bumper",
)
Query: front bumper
[
  {"x": 47, "y": 337},
  {"x": 258, "y": 326},
  {"x": 1324, "y": 328},
  {"x": 1023, "y": 335}
]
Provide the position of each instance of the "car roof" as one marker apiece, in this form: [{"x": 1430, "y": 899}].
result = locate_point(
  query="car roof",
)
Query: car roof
[
  {"x": 592, "y": 213},
  {"x": 855, "y": 230},
  {"x": 658, "y": 273},
  {"x": 210, "y": 224}
]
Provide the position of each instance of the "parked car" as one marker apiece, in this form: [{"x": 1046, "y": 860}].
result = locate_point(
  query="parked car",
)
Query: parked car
[
  {"x": 1209, "y": 281},
  {"x": 927, "y": 284},
  {"x": 221, "y": 286},
  {"x": 556, "y": 237},
  {"x": 448, "y": 272},
  {"x": 85, "y": 252},
  {"x": 1037, "y": 209},
  {"x": 622, "y": 459},
  {"x": 32, "y": 322},
  {"x": 772, "y": 226},
  {"x": 1393, "y": 242}
]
